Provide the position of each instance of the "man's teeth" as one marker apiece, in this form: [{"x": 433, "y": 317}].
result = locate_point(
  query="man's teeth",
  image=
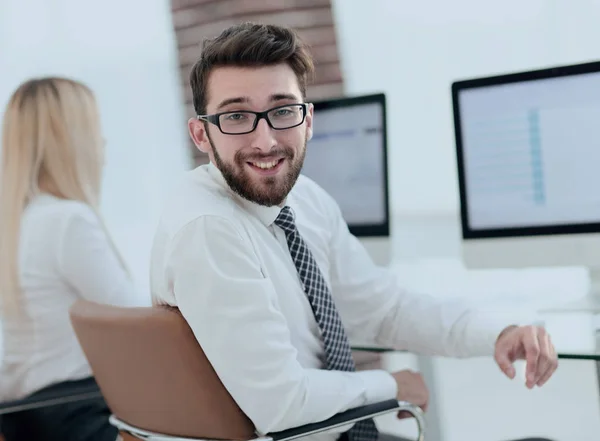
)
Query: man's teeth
[{"x": 265, "y": 165}]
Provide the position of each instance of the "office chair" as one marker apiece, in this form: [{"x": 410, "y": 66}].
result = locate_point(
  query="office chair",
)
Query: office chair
[{"x": 159, "y": 384}]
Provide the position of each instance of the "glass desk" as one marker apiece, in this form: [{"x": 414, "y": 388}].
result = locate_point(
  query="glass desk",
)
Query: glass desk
[
  {"x": 574, "y": 329},
  {"x": 563, "y": 353},
  {"x": 591, "y": 355},
  {"x": 575, "y": 337}
]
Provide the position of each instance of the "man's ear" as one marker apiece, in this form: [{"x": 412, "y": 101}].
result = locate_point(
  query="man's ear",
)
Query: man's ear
[
  {"x": 197, "y": 130},
  {"x": 309, "y": 122}
]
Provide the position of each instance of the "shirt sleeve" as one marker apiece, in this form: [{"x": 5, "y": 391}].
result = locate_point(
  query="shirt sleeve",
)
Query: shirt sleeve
[
  {"x": 377, "y": 310},
  {"x": 89, "y": 263},
  {"x": 232, "y": 309}
]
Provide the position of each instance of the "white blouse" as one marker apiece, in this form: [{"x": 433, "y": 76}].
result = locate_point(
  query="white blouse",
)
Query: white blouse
[{"x": 64, "y": 254}]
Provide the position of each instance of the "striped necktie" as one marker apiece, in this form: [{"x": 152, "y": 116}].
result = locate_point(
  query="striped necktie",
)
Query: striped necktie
[{"x": 338, "y": 353}]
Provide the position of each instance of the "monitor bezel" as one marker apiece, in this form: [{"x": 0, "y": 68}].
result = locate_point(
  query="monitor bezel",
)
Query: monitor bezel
[
  {"x": 371, "y": 229},
  {"x": 496, "y": 80}
]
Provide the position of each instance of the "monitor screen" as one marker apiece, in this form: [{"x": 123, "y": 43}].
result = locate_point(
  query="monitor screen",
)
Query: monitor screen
[
  {"x": 528, "y": 149},
  {"x": 347, "y": 156}
]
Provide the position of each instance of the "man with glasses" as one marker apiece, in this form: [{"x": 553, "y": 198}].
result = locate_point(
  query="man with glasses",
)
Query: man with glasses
[{"x": 262, "y": 266}]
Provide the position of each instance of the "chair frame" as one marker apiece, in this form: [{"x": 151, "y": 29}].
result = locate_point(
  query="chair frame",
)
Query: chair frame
[{"x": 342, "y": 419}]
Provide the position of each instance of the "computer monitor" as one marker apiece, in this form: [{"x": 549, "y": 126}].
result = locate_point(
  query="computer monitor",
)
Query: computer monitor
[
  {"x": 347, "y": 156},
  {"x": 528, "y": 156}
]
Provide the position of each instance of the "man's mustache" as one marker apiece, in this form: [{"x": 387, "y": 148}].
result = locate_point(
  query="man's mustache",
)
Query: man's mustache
[{"x": 279, "y": 153}]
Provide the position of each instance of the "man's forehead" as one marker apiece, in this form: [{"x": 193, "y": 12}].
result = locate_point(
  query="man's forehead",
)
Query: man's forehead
[{"x": 251, "y": 85}]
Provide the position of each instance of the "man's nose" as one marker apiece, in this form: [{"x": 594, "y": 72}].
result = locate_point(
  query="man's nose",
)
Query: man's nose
[{"x": 263, "y": 136}]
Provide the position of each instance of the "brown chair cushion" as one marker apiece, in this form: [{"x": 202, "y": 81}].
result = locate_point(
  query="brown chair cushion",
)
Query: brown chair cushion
[{"x": 154, "y": 374}]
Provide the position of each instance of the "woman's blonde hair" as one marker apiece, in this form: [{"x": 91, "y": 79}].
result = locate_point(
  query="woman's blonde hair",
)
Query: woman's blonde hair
[{"x": 52, "y": 143}]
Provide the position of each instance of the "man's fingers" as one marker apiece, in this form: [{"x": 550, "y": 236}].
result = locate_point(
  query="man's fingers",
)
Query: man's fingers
[
  {"x": 551, "y": 365},
  {"x": 546, "y": 375},
  {"x": 545, "y": 357},
  {"x": 504, "y": 362},
  {"x": 531, "y": 346},
  {"x": 404, "y": 414}
]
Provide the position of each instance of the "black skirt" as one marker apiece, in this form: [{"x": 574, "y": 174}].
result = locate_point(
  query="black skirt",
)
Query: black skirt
[{"x": 85, "y": 420}]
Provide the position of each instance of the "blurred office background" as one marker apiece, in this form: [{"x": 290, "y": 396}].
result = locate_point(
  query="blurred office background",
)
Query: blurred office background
[{"x": 135, "y": 55}]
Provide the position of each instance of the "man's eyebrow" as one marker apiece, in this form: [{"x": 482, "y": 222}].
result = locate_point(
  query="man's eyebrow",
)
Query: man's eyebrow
[
  {"x": 284, "y": 96},
  {"x": 244, "y": 99},
  {"x": 236, "y": 100}
]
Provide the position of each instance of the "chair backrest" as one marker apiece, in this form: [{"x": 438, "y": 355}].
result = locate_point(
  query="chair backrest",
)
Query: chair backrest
[{"x": 153, "y": 373}]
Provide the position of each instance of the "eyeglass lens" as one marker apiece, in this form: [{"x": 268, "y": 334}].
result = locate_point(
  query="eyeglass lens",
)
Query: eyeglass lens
[{"x": 280, "y": 118}]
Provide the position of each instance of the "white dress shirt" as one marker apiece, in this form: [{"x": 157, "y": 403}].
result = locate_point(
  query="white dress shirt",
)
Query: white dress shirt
[
  {"x": 220, "y": 259},
  {"x": 64, "y": 254}
]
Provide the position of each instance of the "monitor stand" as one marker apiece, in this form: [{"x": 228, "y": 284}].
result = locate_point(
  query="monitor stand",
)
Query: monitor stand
[{"x": 589, "y": 304}]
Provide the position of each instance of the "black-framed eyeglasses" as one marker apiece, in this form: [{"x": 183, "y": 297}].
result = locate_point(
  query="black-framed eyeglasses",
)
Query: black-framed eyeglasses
[{"x": 240, "y": 122}]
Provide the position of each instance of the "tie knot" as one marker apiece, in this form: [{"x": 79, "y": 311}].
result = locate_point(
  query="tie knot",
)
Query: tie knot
[{"x": 285, "y": 220}]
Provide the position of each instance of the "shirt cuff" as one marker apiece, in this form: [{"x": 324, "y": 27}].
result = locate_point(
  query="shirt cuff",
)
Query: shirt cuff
[
  {"x": 485, "y": 328},
  {"x": 379, "y": 385}
]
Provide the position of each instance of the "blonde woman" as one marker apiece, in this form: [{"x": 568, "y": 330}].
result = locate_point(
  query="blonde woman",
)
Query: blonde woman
[{"x": 54, "y": 249}]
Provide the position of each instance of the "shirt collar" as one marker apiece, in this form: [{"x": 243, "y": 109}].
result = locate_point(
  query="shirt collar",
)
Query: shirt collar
[{"x": 266, "y": 215}]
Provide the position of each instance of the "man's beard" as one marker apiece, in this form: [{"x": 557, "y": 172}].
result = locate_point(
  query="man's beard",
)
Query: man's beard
[{"x": 272, "y": 190}]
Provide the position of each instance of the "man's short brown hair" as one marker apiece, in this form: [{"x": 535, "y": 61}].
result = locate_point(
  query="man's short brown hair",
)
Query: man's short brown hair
[{"x": 248, "y": 45}]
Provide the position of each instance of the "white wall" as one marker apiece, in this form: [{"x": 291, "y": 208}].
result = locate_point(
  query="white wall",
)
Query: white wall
[
  {"x": 412, "y": 51},
  {"x": 125, "y": 51}
]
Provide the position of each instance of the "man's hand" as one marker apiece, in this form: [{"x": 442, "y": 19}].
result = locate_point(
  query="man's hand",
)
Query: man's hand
[
  {"x": 411, "y": 388},
  {"x": 530, "y": 343}
]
